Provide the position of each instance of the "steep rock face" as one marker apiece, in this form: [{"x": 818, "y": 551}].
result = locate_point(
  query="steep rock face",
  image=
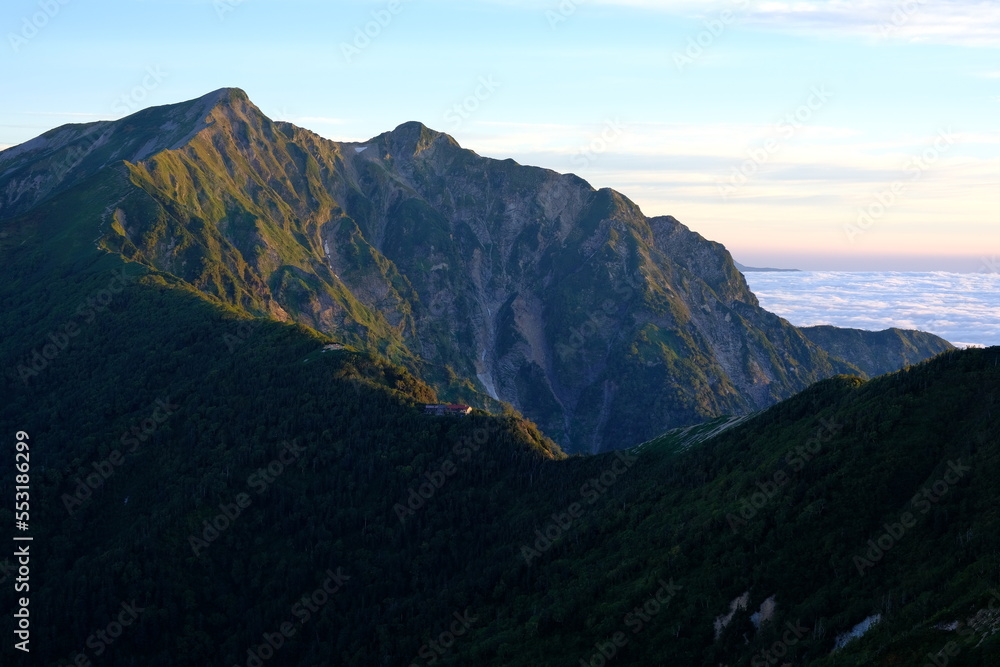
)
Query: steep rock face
[
  {"x": 493, "y": 281},
  {"x": 66, "y": 156},
  {"x": 878, "y": 352}
]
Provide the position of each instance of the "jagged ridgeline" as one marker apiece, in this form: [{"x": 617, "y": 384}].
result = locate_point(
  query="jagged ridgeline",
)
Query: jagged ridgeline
[
  {"x": 492, "y": 281},
  {"x": 201, "y": 481}
]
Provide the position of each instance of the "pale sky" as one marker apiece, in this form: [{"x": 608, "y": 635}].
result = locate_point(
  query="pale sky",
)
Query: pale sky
[{"x": 816, "y": 135}]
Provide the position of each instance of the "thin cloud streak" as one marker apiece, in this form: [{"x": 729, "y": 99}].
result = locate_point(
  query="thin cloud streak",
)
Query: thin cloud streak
[
  {"x": 810, "y": 190},
  {"x": 66, "y": 113},
  {"x": 964, "y": 23}
]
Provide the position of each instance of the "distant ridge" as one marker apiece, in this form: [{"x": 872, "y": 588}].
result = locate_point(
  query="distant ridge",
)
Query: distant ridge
[{"x": 752, "y": 269}]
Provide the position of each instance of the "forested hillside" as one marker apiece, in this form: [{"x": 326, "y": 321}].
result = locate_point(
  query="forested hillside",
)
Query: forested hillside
[
  {"x": 165, "y": 411},
  {"x": 197, "y": 473},
  {"x": 219, "y": 336}
]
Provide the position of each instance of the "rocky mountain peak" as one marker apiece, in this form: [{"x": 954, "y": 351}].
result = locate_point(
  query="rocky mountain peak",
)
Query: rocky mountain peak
[
  {"x": 495, "y": 282},
  {"x": 413, "y": 138}
]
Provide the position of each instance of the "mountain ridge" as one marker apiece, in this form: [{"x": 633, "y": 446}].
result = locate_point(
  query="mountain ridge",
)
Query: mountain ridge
[
  {"x": 708, "y": 545},
  {"x": 496, "y": 282},
  {"x": 482, "y": 489}
]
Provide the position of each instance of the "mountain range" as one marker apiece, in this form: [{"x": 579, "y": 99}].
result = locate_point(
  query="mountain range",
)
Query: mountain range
[
  {"x": 220, "y": 334},
  {"x": 496, "y": 283}
]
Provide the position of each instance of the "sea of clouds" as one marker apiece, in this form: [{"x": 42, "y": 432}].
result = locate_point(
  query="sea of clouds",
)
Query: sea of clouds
[{"x": 963, "y": 308}]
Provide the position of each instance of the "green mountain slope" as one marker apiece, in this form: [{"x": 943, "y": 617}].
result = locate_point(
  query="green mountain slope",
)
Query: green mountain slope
[
  {"x": 876, "y": 352},
  {"x": 207, "y": 482},
  {"x": 849, "y": 501},
  {"x": 494, "y": 282},
  {"x": 204, "y": 468}
]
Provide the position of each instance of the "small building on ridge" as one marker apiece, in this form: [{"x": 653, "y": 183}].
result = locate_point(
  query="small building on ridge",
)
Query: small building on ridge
[{"x": 454, "y": 410}]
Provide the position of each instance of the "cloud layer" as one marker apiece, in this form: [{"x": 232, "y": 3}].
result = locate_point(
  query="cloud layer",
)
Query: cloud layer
[{"x": 963, "y": 308}]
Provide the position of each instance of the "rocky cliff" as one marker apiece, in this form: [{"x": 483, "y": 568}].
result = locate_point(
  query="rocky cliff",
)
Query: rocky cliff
[{"x": 496, "y": 282}]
